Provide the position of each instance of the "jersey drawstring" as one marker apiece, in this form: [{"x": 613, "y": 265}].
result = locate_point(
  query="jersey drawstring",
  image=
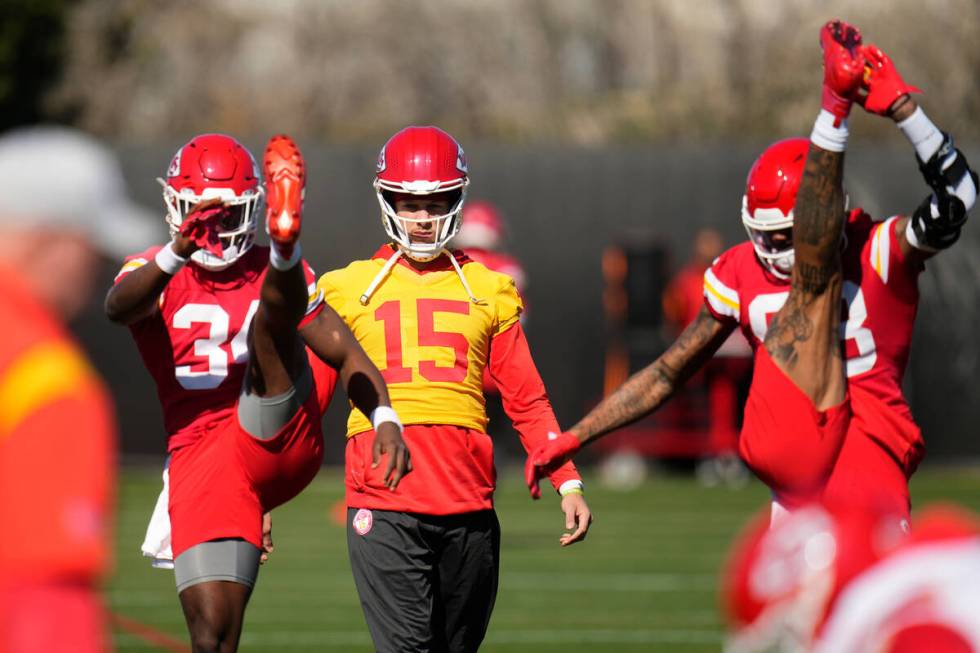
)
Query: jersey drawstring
[
  {"x": 385, "y": 269},
  {"x": 390, "y": 263},
  {"x": 462, "y": 278}
]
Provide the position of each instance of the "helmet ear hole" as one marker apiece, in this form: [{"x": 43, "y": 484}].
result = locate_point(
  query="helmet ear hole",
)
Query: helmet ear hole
[{"x": 454, "y": 196}]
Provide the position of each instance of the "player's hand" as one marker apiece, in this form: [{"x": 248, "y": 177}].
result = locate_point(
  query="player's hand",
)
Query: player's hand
[
  {"x": 883, "y": 84},
  {"x": 578, "y": 518},
  {"x": 388, "y": 440},
  {"x": 843, "y": 67},
  {"x": 199, "y": 230},
  {"x": 547, "y": 457},
  {"x": 267, "y": 545}
]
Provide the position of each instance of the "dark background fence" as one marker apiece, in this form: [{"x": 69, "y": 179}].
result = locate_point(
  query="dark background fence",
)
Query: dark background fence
[{"x": 563, "y": 206}]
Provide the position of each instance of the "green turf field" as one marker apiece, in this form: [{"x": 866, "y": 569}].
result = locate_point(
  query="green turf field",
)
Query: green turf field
[{"x": 645, "y": 580}]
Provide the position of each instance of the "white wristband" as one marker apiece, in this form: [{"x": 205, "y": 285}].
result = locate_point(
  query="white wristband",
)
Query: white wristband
[
  {"x": 280, "y": 262},
  {"x": 383, "y": 414},
  {"x": 573, "y": 486},
  {"x": 826, "y": 136},
  {"x": 168, "y": 261},
  {"x": 924, "y": 136}
]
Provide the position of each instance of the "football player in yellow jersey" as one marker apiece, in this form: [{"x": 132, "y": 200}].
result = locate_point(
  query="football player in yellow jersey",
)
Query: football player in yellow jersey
[{"x": 425, "y": 558}]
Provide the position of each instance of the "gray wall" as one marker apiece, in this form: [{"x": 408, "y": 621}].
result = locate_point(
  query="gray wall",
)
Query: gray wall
[{"x": 564, "y": 205}]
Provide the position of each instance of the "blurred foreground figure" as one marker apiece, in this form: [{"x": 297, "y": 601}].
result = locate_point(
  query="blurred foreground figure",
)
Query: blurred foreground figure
[
  {"x": 221, "y": 324},
  {"x": 62, "y": 202},
  {"x": 847, "y": 580},
  {"x": 785, "y": 288}
]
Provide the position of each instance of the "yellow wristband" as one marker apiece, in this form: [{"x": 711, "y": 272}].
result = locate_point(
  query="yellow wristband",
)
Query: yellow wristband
[{"x": 573, "y": 486}]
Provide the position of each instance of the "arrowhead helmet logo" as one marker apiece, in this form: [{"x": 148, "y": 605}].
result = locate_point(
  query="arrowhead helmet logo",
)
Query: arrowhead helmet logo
[
  {"x": 460, "y": 159},
  {"x": 174, "y": 168}
]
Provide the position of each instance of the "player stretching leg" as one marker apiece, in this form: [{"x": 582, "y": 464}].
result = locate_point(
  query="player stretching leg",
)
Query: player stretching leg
[
  {"x": 241, "y": 405},
  {"x": 748, "y": 283},
  {"x": 798, "y": 411}
]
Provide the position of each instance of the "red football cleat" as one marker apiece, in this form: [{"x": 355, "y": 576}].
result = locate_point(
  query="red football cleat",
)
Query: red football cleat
[{"x": 285, "y": 181}]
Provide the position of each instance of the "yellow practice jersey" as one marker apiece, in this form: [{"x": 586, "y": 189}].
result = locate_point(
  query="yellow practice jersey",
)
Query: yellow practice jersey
[{"x": 428, "y": 338}]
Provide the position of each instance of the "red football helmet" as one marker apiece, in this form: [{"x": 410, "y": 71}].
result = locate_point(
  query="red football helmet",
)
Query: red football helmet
[
  {"x": 482, "y": 227},
  {"x": 421, "y": 161},
  {"x": 782, "y": 578},
  {"x": 210, "y": 166},
  {"x": 921, "y": 597},
  {"x": 767, "y": 206}
]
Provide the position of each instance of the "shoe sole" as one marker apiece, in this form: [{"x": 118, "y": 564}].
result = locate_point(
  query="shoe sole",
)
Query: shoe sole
[{"x": 285, "y": 174}]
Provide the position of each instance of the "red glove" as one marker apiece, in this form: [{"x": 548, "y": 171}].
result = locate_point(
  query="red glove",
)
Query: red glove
[
  {"x": 882, "y": 81},
  {"x": 201, "y": 227},
  {"x": 843, "y": 67},
  {"x": 547, "y": 457}
]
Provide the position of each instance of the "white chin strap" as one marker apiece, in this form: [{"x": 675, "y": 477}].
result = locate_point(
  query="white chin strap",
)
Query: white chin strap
[{"x": 421, "y": 257}]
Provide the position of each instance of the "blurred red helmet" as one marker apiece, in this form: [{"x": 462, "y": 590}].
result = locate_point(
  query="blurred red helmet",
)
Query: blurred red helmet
[
  {"x": 421, "y": 161},
  {"x": 781, "y": 579},
  {"x": 482, "y": 227},
  {"x": 767, "y": 206},
  {"x": 922, "y": 597},
  {"x": 215, "y": 166}
]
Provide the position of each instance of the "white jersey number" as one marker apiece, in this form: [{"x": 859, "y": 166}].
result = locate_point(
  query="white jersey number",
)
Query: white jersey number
[
  {"x": 765, "y": 306},
  {"x": 854, "y": 329},
  {"x": 210, "y": 347}
]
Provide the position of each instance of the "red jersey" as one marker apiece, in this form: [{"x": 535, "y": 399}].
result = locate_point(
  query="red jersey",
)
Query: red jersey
[
  {"x": 57, "y": 450},
  {"x": 880, "y": 296},
  {"x": 195, "y": 347}
]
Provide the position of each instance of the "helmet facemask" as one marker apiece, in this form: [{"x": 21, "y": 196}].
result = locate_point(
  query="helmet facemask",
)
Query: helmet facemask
[
  {"x": 445, "y": 226},
  {"x": 771, "y": 233},
  {"x": 215, "y": 167},
  {"x": 237, "y": 229}
]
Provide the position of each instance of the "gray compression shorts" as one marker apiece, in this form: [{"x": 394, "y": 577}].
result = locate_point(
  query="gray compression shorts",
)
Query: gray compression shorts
[
  {"x": 230, "y": 560},
  {"x": 263, "y": 417}
]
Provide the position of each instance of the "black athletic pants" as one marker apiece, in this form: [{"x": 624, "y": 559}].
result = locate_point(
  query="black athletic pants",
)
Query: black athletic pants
[{"x": 427, "y": 583}]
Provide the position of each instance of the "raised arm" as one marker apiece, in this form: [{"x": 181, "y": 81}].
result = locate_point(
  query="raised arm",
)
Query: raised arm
[
  {"x": 329, "y": 337},
  {"x": 936, "y": 223}
]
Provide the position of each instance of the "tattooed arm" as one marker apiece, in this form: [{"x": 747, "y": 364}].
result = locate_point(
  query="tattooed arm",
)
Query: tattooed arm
[
  {"x": 803, "y": 336},
  {"x": 649, "y": 388}
]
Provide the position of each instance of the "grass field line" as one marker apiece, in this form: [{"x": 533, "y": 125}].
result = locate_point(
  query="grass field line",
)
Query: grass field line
[
  {"x": 333, "y": 639},
  {"x": 638, "y": 582},
  {"x": 629, "y": 582}
]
